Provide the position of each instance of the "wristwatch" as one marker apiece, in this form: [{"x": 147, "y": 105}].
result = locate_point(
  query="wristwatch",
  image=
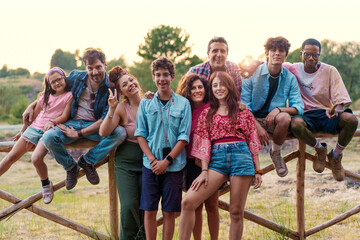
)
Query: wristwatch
[{"x": 170, "y": 159}]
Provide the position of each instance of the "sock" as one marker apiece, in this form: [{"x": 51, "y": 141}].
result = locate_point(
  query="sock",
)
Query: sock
[
  {"x": 317, "y": 144},
  {"x": 338, "y": 150},
  {"x": 45, "y": 182},
  {"x": 276, "y": 147}
]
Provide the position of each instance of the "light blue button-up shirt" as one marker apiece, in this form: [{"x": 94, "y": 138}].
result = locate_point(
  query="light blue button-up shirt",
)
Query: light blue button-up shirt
[
  {"x": 150, "y": 126},
  {"x": 256, "y": 89}
]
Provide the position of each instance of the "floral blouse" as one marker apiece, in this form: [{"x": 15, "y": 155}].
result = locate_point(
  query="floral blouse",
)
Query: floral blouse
[{"x": 222, "y": 127}]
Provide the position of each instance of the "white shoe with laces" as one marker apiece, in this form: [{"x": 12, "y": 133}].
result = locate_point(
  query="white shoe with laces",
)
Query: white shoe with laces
[{"x": 48, "y": 193}]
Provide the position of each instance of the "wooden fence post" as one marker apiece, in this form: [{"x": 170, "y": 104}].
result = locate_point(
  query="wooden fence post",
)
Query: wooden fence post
[
  {"x": 300, "y": 186},
  {"x": 113, "y": 198}
]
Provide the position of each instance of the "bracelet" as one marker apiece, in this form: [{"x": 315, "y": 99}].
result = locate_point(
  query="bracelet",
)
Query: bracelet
[
  {"x": 279, "y": 109},
  {"x": 53, "y": 122},
  {"x": 259, "y": 171},
  {"x": 79, "y": 133},
  {"x": 204, "y": 170}
]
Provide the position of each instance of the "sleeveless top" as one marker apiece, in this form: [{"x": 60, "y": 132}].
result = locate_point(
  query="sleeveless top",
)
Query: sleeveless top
[{"x": 130, "y": 126}]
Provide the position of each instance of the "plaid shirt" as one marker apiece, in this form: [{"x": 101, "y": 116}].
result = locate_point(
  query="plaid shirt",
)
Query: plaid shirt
[{"x": 204, "y": 70}]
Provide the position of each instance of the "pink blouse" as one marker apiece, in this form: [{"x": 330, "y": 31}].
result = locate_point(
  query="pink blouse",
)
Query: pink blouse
[
  {"x": 222, "y": 127},
  {"x": 195, "y": 114},
  {"x": 130, "y": 126}
]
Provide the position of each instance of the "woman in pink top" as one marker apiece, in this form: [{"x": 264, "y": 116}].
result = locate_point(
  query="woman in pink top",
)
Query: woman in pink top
[
  {"x": 196, "y": 90},
  {"x": 228, "y": 137},
  {"x": 53, "y": 107},
  {"x": 128, "y": 158}
]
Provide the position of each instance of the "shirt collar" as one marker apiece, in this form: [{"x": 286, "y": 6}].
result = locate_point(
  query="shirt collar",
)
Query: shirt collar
[{"x": 265, "y": 70}]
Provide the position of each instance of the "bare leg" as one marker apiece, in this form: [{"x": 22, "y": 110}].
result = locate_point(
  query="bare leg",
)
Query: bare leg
[
  {"x": 169, "y": 225},
  {"x": 301, "y": 132},
  {"x": 150, "y": 225},
  {"x": 239, "y": 188},
  {"x": 37, "y": 159},
  {"x": 282, "y": 123},
  {"x": 212, "y": 209},
  {"x": 348, "y": 124},
  {"x": 198, "y": 223},
  {"x": 19, "y": 149},
  {"x": 193, "y": 199}
]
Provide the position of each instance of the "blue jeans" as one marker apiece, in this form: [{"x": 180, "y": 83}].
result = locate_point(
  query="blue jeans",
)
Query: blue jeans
[{"x": 55, "y": 141}]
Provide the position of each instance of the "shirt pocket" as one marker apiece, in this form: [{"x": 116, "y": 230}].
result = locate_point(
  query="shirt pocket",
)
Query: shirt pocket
[{"x": 174, "y": 121}]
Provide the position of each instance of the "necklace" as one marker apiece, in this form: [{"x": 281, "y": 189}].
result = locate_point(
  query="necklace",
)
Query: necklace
[{"x": 274, "y": 77}]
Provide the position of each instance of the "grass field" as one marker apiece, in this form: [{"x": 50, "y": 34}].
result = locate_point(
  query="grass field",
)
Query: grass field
[{"x": 324, "y": 199}]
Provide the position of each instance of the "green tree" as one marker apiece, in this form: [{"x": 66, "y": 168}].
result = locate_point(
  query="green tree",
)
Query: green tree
[
  {"x": 142, "y": 71},
  {"x": 165, "y": 40},
  {"x": 294, "y": 56},
  {"x": 4, "y": 71},
  {"x": 120, "y": 61},
  {"x": 65, "y": 60},
  {"x": 346, "y": 58}
]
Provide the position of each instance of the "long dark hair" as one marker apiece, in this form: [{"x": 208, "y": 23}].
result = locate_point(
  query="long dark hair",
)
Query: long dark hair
[
  {"x": 232, "y": 98},
  {"x": 47, "y": 87},
  {"x": 185, "y": 84}
]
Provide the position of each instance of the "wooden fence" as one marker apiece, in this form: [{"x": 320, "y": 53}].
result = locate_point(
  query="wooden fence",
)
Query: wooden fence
[{"x": 301, "y": 233}]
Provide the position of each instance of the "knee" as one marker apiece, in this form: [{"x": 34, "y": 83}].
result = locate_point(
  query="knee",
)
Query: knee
[
  {"x": 211, "y": 206},
  {"x": 35, "y": 160},
  {"x": 129, "y": 206},
  {"x": 350, "y": 120},
  {"x": 236, "y": 214},
  {"x": 50, "y": 138},
  {"x": 119, "y": 134},
  {"x": 283, "y": 119},
  {"x": 297, "y": 125},
  {"x": 187, "y": 204}
]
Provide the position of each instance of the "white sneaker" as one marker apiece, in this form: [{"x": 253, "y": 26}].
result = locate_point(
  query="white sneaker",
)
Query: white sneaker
[{"x": 48, "y": 193}]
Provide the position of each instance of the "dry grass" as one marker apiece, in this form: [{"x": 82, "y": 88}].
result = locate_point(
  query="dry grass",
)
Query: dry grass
[{"x": 324, "y": 199}]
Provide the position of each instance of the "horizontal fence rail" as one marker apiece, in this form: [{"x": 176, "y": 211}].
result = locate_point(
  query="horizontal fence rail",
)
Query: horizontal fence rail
[{"x": 301, "y": 233}]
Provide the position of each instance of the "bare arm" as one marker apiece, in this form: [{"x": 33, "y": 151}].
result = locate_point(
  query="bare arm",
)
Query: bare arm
[
  {"x": 113, "y": 115},
  {"x": 145, "y": 148},
  {"x": 258, "y": 178},
  {"x": 202, "y": 178},
  {"x": 262, "y": 133},
  {"x": 28, "y": 115}
]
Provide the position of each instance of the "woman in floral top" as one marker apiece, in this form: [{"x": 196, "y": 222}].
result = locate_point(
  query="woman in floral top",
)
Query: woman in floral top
[{"x": 226, "y": 143}]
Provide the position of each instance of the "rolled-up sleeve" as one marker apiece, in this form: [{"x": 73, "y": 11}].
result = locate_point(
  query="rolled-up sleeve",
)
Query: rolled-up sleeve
[
  {"x": 141, "y": 126},
  {"x": 185, "y": 124},
  {"x": 246, "y": 91},
  {"x": 295, "y": 99}
]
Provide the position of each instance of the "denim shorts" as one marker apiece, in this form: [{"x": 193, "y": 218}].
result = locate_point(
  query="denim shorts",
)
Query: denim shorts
[
  {"x": 168, "y": 186},
  {"x": 232, "y": 159},
  {"x": 32, "y": 135},
  {"x": 317, "y": 121}
]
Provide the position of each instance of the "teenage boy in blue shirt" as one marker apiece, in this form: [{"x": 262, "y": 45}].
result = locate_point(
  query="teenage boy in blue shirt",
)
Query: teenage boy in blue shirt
[
  {"x": 162, "y": 129},
  {"x": 266, "y": 94}
]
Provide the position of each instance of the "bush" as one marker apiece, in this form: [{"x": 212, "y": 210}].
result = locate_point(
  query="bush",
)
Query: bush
[{"x": 18, "y": 109}]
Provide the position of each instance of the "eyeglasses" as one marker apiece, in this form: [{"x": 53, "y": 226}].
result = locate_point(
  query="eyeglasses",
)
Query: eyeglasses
[
  {"x": 314, "y": 55},
  {"x": 53, "y": 82}
]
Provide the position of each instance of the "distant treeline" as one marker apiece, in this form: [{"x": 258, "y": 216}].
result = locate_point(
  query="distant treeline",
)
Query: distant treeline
[{"x": 172, "y": 42}]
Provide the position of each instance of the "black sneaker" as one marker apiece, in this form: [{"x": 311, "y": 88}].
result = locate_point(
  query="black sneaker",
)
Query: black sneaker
[
  {"x": 90, "y": 171},
  {"x": 71, "y": 177}
]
